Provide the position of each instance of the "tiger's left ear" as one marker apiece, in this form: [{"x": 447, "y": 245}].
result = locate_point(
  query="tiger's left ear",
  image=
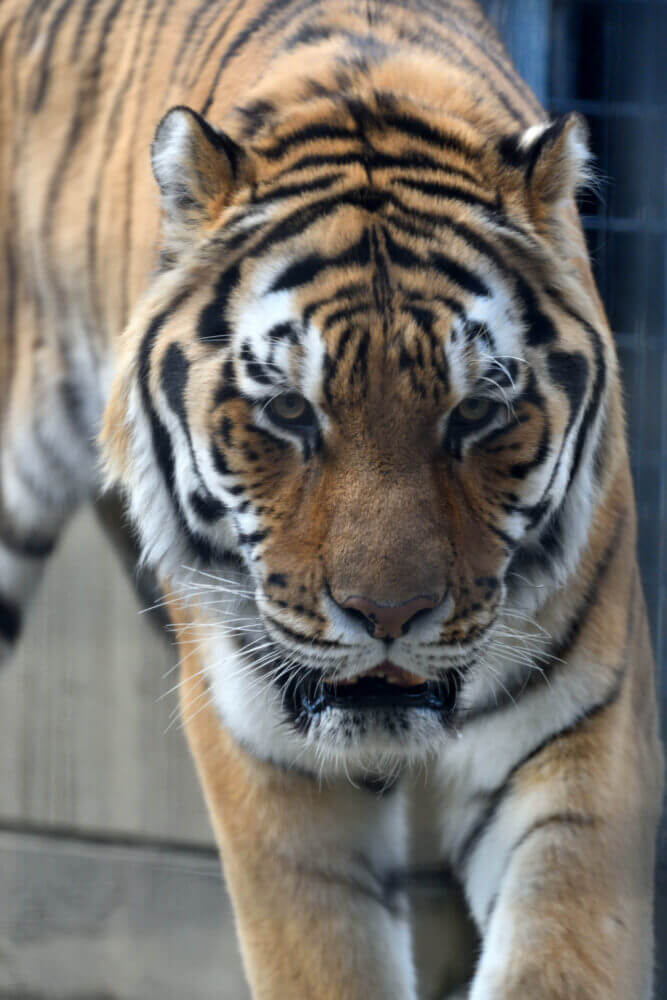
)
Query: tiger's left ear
[
  {"x": 552, "y": 161},
  {"x": 197, "y": 169}
]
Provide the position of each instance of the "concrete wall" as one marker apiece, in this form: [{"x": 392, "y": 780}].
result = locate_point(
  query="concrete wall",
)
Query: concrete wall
[{"x": 109, "y": 881}]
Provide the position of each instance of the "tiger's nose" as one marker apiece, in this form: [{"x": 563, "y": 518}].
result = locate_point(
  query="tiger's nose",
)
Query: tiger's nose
[{"x": 389, "y": 621}]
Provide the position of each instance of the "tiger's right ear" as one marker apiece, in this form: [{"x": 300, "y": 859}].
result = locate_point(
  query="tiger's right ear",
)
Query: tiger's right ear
[
  {"x": 197, "y": 168},
  {"x": 546, "y": 165}
]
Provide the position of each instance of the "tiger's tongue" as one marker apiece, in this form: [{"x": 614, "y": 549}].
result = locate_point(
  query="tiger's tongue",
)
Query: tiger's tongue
[{"x": 389, "y": 672}]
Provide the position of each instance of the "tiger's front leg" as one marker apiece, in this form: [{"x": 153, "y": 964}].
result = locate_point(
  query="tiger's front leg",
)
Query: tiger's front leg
[
  {"x": 560, "y": 878},
  {"x": 308, "y": 867},
  {"x": 559, "y": 929}
]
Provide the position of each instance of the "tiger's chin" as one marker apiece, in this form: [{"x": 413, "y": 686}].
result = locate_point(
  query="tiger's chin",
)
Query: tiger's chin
[
  {"x": 371, "y": 723},
  {"x": 379, "y": 740},
  {"x": 374, "y": 720}
]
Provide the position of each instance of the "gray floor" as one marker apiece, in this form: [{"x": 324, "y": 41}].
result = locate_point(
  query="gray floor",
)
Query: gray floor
[{"x": 83, "y": 920}]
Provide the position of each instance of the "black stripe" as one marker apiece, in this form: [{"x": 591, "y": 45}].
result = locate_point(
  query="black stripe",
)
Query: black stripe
[
  {"x": 400, "y": 254},
  {"x": 300, "y": 637},
  {"x": 307, "y": 34},
  {"x": 228, "y": 388},
  {"x": 254, "y": 538},
  {"x": 594, "y": 404},
  {"x": 522, "y": 469},
  {"x": 84, "y": 109},
  {"x": 10, "y": 620},
  {"x": 459, "y": 274},
  {"x": 580, "y": 616},
  {"x": 130, "y": 164},
  {"x": 188, "y": 36},
  {"x": 451, "y": 51},
  {"x": 213, "y": 44},
  {"x": 213, "y": 326},
  {"x": 30, "y": 23},
  {"x": 436, "y": 221},
  {"x": 425, "y": 320},
  {"x": 436, "y": 189},
  {"x": 576, "y": 820},
  {"x": 350, "y": 290},
  {"x": 347, "y": 313},
  {"x": 569, "y": 370},
  {"x": 110, "y": 139},
  {"x": 503, "y": 536},
  {"x": 548, "y": 136},
  {"x": 32, "y": 546},
  {"x": 540, "y": 328},
  {"x": 316, "y": 131},
  {"x": 87, "y": 12},
  {"x": 558, "y": 652},
  {"x": 359, "y": 367},
  {"x": 254, "y": 368},
  {"x": 256, "y": 114},
  {"x": 207, "y": 507},
  {"x": 46, "y": 64},
  {"x": 417, "y": 128},
  {"x": 297, "y": 222},
  {"x": 490, "y": 812},
  {"x": 287, "y": 330},
  {"x": 561, "y": 819},
  {"x": 174, "y": 379},
  {"x": 375, "y": 159},
  {"x": 296, "y": 190},
  {"x": 162, "y": 446},
  {"x": 304, "y": 271},
  {"x": 239, "y": 42},
  {"x": 603, "y": 448}
]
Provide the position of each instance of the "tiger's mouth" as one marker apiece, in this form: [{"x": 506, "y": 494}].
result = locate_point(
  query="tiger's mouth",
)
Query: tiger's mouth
[{"x": 385, "y": 686}]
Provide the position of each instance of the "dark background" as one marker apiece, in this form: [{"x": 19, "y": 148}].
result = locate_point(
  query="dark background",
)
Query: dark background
[{"x": 608, "y": 60}]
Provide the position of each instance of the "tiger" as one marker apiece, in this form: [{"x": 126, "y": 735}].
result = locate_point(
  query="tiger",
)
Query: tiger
[{"x": 305, "y": 281}]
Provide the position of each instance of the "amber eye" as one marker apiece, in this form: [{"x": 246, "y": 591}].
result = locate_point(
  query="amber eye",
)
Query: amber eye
[
  {"x": 290, "y": 409},
  {"x": 473, "y": 410}
]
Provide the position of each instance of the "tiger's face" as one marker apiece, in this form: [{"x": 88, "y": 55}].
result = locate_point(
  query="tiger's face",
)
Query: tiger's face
[{"x": 359, "y": 399}]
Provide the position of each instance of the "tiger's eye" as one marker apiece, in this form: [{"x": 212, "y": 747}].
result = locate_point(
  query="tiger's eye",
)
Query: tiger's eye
[
  {"x": 474, "y": 409},
  {"x": 290, "y": 408}
]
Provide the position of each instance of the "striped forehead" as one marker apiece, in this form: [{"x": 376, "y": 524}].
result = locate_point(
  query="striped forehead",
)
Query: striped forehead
[{"x": 289, "y": 331}]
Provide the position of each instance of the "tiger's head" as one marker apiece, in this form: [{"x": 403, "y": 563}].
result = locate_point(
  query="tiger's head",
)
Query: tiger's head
[{"x": 357, "y": 412}]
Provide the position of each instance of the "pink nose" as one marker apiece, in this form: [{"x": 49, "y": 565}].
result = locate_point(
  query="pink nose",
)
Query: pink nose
[{"x": 389, "y": 621}]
